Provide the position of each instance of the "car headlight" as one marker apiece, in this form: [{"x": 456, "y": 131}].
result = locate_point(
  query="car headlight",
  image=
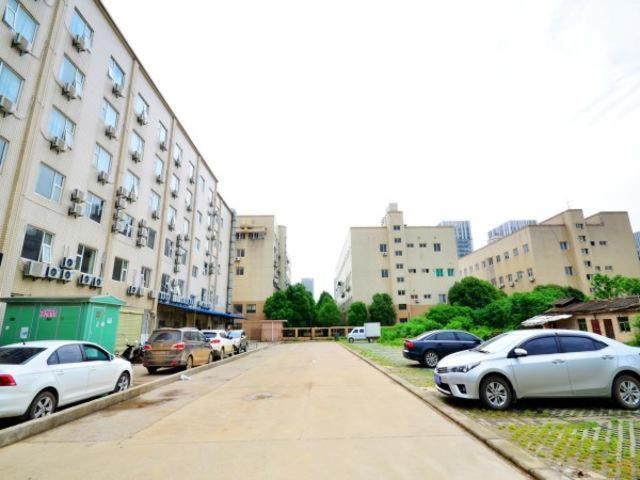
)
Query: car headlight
[{"x": 464, "y": 368}]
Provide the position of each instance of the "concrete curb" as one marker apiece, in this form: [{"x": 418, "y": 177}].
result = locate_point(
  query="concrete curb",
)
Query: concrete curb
[
  {"x": 506, "y": 449},
  {"x": 33, "y": 427}
]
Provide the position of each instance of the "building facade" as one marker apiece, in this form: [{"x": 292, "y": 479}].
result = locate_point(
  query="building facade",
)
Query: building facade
[
  {"x": 261, "y": 264},
  {"x": 507, "y": 228},
  {"x": 464, "y": 239},
  {"x": 567, "y": 249},
  {"x": 416, "y": 266},
  {"x": 637, "y": 237},
  {"x": 308, "y": 284},
  {"x": 105, "y": 192}
]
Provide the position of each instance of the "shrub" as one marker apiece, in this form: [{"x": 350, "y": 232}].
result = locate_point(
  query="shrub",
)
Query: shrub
[
  {"x": 460, "y": 323},
  {"x": 444, "y": 313},
  {"x": 474, "y": 293}
]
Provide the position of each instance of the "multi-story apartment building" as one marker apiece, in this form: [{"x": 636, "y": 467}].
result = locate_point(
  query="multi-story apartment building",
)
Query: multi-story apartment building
[
  {"x": 416, "y": 266},
  {"x": 464, "y": 239},
  {"x": 104, "y": 191},
  {"x": 308, "y": 284},
  {"x": 636, "y": 235},
  {"x": 567, "y": 249},
  {"x": 261, "y": 264},
  {"x": 507, "y": 228}
]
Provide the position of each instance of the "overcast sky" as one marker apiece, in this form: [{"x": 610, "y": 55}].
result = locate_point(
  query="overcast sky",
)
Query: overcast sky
[{"x": 323, "y": 112}]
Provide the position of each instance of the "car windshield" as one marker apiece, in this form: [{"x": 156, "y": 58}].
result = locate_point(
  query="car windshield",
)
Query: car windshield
[
  {"x": 496, "y": 344},
  {"x": 166, "y": 336},
  {"x": 234, "y": 334},
  {"x": 18, "y": 355},
  {"x": 210, "y": 335},
  {"x": 425, "y": 335}
]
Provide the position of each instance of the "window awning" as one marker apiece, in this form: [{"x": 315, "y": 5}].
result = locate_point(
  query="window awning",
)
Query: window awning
[{"x": 543, "y": 319}]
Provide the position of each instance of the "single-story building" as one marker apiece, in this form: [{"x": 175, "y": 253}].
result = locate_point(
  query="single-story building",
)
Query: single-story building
[{"x": 614, "y": 317}]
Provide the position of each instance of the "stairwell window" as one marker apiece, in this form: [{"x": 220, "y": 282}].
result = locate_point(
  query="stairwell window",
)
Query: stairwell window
[
  {"x": 116, "y": 73},
  {"x": 94, "y": 207},
  {"x": 37, "y": 245},
  {"x": 70, "y": 74},
  {"x": 79, "y": 27},
  {"x": 120, "y": 268},
  {"x": 85, "y": 259},
  {"x": 568, "y": 270},
  {"x": 50, "y": 183},
  {"x": 10, "y": 83},
  {"x": 20, "y": 21},
  {"x": 109, "y": 114},
  {"x": 102, "y": 159},
  {"x": 564, "y": 246},
  {"x": 61, "y": 127}
]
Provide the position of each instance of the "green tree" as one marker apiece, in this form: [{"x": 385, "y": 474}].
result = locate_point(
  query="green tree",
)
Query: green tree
[
  {"x": 558, "y": 291},
  {"x": 496, "y": 315},
  {"x": 525, "y": 305},
  {"x": 329, "y": 313},
  {"x": 302, "y": 305},
  {"x": 612, "y": 287},
  {"x": 277, "y": 307},
  {"x": 473, "y": 293},
  {"x": 381, "y": 309},
  {"x": 324, "y": 296},
  {"x": 357, "y": 314},
  {"x": 443, "y": 313}
]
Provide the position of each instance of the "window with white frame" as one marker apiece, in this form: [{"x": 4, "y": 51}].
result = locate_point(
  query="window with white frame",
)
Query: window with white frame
[
  {"x": 137, "y": 144},
  {"x": 50, "y": 183},
  {"x": 85, "y": 259},
  {"x": 191, "y": 170},
  {"x": 116, "y": 73},
  {"x": 10, "y": 83},
  {"x": 94, "y": 207},
  {"x": 196, "y": 244},
  {"x": 194, "y": 271},
  {"x": 188, "y": 198},
  {"x": 37, "y": 245},
  {"x": 151, "y": 238},
  {"x": 162, "y": 133},
  {"x": 171, "y": 215},
  {"x": 145, "y": 276},
  {"x": 199, "y": 216},
  {"x": 141, "y": 106},
  {"x": 201, "y": 183},
  {"x": 158, "y": 167},
  {"x": 61, "y": 127},
  {"x": 128, "y": 222},
  {"x": 4, "y": 145},
  {"x": 102, "y": 159},
  {"x": 177, "y": 154},
  {"x": 175, "y": 183},
  {"x": 108, "y": 114},
  {"x": 131, "y": 182},
  {"x": 70, "y": 74},
  {"x": 120, "y": 268},
  {"x": 20, "y": 21},
  {"x": 186, "y": 227},
  {"x": 168, "y": 248},
  {"x": 80, "y": 28},
  {"x": 154, "y": 201},
  {"x": 210, "y": 196}
]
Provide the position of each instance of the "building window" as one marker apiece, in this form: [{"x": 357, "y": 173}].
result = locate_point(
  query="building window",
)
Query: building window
[
  {"x": 402, "y": 306},
  {"x": 564, "y": 246},
  {"x": 400, "y": 280},
  {"x": 71, "y": 75},
  {"x": 510, "y": 278},
  {"x": 164, "y": 282},
  {"x": 383, "y": 247},
  {"x": 194, "y": 271},
  {"x": 623, "y": 324},
  {"x": 94, "y": 207},
  {"x": 603, "y": 243},
  {"x": 145, "y": 275},
  {"x": 37, "y": 245},
  {"x": 171, "y": 216},
  {"x": 519, "y": 274},
  {"x": 154, "y": 202},
  {"x": 516, "y": 252},
  {"x": 79, "y": 27},
  {"x": 10, "y": 83},
  {"x": 201, "y": 183},
  {"x": 568, "y": 270},
  {"x": 162, "y": 133},
  {"x": 191, "y": 171},
  {"x": 20, "y": 21},
  {"x": 251, "y": 308},
  {"x": 384, "y": 273},
  {"x": 102, "y": 159},
  {"x": 530, "y": 272},
  {"x": 587, "y": 263},
  {"x": 158, "y": 167},
  {"x": 188, "y": 198},
  {"x": 151, "y": 238},
  {"x": 186, "y": 227},
  {"x": 168, "y": 248},
  {"x": 608, "y": 268},
  {"x": 582, "y": 238},
  {"x": 451, "y": 272},
  {"x": 501, "y": 281},
  {"x": 490, "y": 260},
  {"x": 239, "y": 270},
  {"x": 177, "y": 154},
  {"x": 506, "y": 255},
  {"x": 49, "y": 183},
  {"x": 412, "y": 270},
  {"x": 422, "y": 245},
  {"x": 127, "y": 220},
  {"x": 401, "y": 292},
  {"x": 424, "y": 270},
  {"x": 525, "y": 248},
  {"x": 579, "y": 226},
  {"x": 398, "y": 253},
  {"x": 439, "y": 272},
  {"x": 240, "y": 252},
  {"x": 397, "y": 240},
  {"x": 498, "y": 258},
  {"x": 396, "y": 228},
  {"x": 120, "y": 267},
  {"x": 584, "y": 251},
  {"x": 131, "y": 182},
  {"x": 210, "y": 197},
  {"x": 442, "y": 297},
  {"x": 137, "y": 144},
  {"x": 85, "y": 259},
  {"x": 582, "y": 324},
  {"x": 399, "y": 266},
  {"x": 4, "y": 144},
  {"x": 108, "y": 114},
  {"x": 237, "y": 308},
  {"x": 409, "y": 245},
  {"x": 175, "y": 183},
  {"x": 141, "y": 106},
  {"x": 116, "y": 73},
  {"x": 426, "y": 296},
  {"x": 437, "y": 247},
  {"x": 60, "y": 126}
]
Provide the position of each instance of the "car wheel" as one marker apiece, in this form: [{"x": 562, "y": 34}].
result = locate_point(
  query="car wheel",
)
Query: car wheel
[
  {"x": 123, "y": 383},
  {"x": 152, "y": 370},
  {"x": 222, "y": 354},
  {"x": 43, "y": 405},
  {"x": 431, "y": 359},
  {"x": 189, "y": 364},
  {"x": 210, "y": 358},
  {"x": 351, "y": 340},
  {"x": 626, "y": 392},
  {"x": 495, "y": 393}
]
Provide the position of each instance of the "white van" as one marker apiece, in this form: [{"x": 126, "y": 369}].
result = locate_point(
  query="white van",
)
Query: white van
[{"x": 370, "y": 331}]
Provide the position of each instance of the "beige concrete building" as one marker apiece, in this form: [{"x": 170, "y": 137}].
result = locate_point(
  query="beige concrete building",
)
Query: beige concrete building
[
  {"x": 415, "y": 265},
  {"x": 261, "y": 264},
  {"x": 104, "y": 191},
  {"x": 566, "y": 249}
]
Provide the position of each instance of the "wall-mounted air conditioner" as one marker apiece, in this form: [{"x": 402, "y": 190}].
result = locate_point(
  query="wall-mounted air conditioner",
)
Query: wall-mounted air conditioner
[
  {"x": 192, "y": 180},
  {"x": 155, "y": 215},
  {"x": 141, "y": 242},
  {"x": 172, "y": 225},
  {"x": 136, "y": 156},
  {"x": 7, "y": 107},
  {"x": 117, "y": 90},
  {"x": 85, "y": 279},
  {"x": 68, "y": 263},
  {"x": 189, "y": 208},
  {"x": 110, "y": 131},
  {"x": 53, "y": 272},
  {"x": 78, "y": 196},
  {"x": 122, "y": 192},
  {"x": 103, "y": 177},
  {"x": 76, "y": 210},
  {"x": 163, "y": 145},
  {"x": 59, "y": 144},
  {"x": 67, "y": 275},
  {"x": 132, "y": 196},
  {"x": 142, "y": 223},
  {"x": 120, "y": 203},
  {"x": 81, "y": 43},
  {"x": 97, "y": 282},
  {"x": 70, "y": 90},
  {"x": 131, "y": 290},
  {"x": 142, "y": 118},
  {"x": 159, "y": 179},
  {"x": 21, "y": 43},
  {"x": 35, "y": 269},
  {"x": 174, "y": 192},
  {"x": 151, "y": 295}
]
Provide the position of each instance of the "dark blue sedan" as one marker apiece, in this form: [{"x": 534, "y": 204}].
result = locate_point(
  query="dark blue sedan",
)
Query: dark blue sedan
[{"x": 431, "y": 346}]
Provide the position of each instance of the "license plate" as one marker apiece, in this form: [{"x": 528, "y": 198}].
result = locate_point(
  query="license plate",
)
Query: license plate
[{"x": 437, "y": 379}]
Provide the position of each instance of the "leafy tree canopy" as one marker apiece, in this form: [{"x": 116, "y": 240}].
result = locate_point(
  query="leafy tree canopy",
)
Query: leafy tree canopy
[
  {"x": 443, "y": 313},
  {"x": 557, "y": 291},
  {"x": 612, "y": 287},
  {"x": 473, "y": 293},
  {"x": 277, "y": 307},
  {"x": 329, "y": 313},
  {"x": 381, "y": 309},
  {"x": 357, "y": 314}
]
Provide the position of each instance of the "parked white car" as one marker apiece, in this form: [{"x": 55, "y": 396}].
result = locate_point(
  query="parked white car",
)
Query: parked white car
[
  {"x": 370, "y": 331},
  {"x": 38, "y": 377},
  {"x": 239, "y": 340},
  {"x": 543, "y": 364},
  {"x": 222, "y": 345}
]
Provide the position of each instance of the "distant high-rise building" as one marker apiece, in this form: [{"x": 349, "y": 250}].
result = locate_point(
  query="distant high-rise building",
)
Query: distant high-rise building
[
  {"x": 308, "y": 284},
  {"x": 507, "y": 228},
  {"x": 637, "y": 237},
  {"x": 464, "y": 240}
]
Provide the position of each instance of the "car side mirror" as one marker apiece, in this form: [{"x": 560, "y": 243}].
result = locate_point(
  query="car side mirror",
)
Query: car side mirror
[
  {"x": 111, "y": 357},
  {"x": 520, "y": 352}
]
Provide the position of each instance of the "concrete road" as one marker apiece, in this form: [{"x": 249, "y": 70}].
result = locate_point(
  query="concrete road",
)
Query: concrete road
[{"x": 299, "y": 411}]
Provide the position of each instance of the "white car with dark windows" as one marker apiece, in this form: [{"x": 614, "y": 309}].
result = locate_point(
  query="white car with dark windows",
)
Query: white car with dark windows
[
  {"x": 38, "y": 377},
  {"x": 221, "y": 344},
  {"x": 543, "y": 364}
]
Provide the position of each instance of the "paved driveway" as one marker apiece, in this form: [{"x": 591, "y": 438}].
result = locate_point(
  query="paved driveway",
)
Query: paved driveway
[{"x": 309, "y": 410}]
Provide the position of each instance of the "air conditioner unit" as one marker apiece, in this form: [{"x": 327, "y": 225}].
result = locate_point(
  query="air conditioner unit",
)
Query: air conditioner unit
[
  {"x": 192, "y": 180},
  {"x": 155, "y": 215},
  {"x": 384, "y": 254},
  {"x": 120, "y": 203},
  {"x": 143, "y": 223},
  {"x": 211, "y": 204},
  {"x": 85, "y": 279},
  {"x": 176, "y": 268},
  {"x": 159, "y": 179},
  {"x": 122, "y": 192},
  {"x": 97, "y": 282},
  {"x": 511, "y": 284},
  {"x": 53, "y": 272},
  {"x": 131, "y": 290},
  {"x": 172, "y": 225},
  {"x": 151, "y": 295},
  {"x": 132, "y": 197},
  {"x": 7, "y": 107},
  {"x": 177, "y": 160},
  {"x": 110, "y": 131},
  {"x": 118, "y": 226},
  {"x": 143, "y": 118},
  {"x": 117, "y": 90},
  {"x": 238, "y": 259},
  {"x": 35, "y": 269},
  {"x": 179, "y": 239},
  {"x": 532, "y": 278},
  {"x": 186, "y": 237},
  {"x": 141, "y": 242},
  {"x": 81, "y": 43},
  {"x": 210, "y": 228},
  {"x": 143, "y": 232},
  {"x": 163, "y": 145},
  {"x": 78, "y": 196},
  {"x": 68, "y": 263},
  {"x": 70, "y": 91},
  {"x": 21, "y": 43},
  {"x": 207, "y": 253},
  {"x": 189, "y": 208},
  {"x": 59, "y": 144},
  {"x": 76, "y": 210},
  {"x": 103, "y": 177},
  {"x": 136, "y": 156},
  {"x": 67, "y": 275},
  {"x": 174, "y": 193}
]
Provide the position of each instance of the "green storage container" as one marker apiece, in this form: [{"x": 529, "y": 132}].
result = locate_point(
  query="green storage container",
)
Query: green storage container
[{"x": 94, "y": 319}]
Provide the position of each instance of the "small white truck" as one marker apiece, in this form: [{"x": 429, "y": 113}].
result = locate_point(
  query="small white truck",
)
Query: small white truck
[{"x": 370, "y": 331}]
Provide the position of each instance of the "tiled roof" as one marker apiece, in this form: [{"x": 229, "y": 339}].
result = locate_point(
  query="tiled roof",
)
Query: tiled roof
[{"x": 598, "y": 306}]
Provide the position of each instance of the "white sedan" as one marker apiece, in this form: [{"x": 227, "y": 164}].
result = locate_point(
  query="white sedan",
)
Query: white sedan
[
  {"x": 543, "y": 364},
  {"x": 38, "y": 377},
  {"x": 222, "y": 345}
]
